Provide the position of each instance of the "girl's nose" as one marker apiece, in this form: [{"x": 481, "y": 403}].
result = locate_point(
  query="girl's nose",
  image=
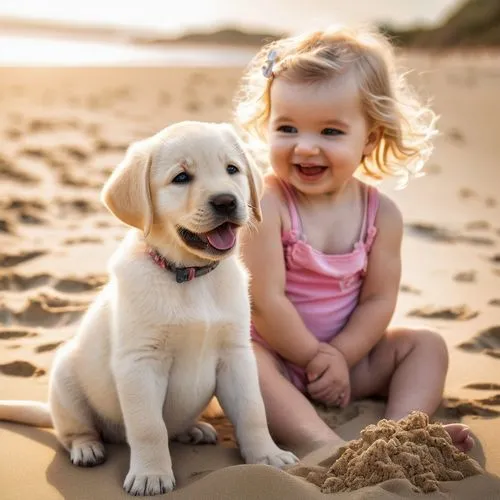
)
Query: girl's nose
[{"x": 306, "y": 146}]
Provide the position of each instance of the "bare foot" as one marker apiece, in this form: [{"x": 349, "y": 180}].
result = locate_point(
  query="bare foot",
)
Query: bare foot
[{"x": 461, "y": 436}]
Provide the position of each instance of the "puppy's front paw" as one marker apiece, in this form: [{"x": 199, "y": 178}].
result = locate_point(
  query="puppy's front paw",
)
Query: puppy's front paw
[
  {"x": 279, "y": 458},
  {"x": 87, "y": 454},
  {"x": 149, "y": 484},
  {"x": 200, "y": 433}
]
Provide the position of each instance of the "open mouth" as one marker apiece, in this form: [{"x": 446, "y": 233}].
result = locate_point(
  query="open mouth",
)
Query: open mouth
[
  {"x": 220, "y": 239},
  {"x": 310, "y": 172}
]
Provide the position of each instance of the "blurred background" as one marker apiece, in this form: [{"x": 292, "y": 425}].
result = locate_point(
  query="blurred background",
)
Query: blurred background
[
  {"x": 79, "y": 81},
  {"x": 94, "y": 31}
]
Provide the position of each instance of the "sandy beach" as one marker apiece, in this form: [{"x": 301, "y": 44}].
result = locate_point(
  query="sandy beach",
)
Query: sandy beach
[{"x": 63, "y": 131}]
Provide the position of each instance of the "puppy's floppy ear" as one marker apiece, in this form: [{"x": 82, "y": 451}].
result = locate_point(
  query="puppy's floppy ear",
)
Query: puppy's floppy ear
[
  {"x": 127, "y": 193},
  {"x": 254, "y": 175}
]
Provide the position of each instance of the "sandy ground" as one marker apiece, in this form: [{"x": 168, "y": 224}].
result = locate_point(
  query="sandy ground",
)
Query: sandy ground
[{"x": 62, "y": 133}]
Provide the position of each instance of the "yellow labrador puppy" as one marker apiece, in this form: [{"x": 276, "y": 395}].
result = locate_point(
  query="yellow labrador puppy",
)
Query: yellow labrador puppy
[{"x": 171, "y": 328}]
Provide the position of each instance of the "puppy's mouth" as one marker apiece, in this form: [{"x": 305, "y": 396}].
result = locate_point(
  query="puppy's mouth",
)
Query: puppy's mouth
[{"x": 219, "y": 240}]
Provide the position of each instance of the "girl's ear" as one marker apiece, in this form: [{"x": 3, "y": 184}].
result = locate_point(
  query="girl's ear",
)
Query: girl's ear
[{"x": 372, "y": 141}]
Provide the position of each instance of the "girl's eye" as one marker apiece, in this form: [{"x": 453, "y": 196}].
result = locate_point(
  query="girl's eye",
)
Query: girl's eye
[
  {"x": 232, "y": 169},
  {"x": 332, "y": 131},
  {"x": 182, "y": 178},
  {"x": 287, "y": 129}
]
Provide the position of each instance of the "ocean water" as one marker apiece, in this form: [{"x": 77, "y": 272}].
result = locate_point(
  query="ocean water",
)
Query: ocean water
[{"x": 56, "y": 51}]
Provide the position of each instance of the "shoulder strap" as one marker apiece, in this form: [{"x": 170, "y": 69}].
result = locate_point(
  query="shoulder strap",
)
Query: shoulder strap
[
  {"x": 372, "y": 208},
  {"x": 292, "y": 207}
]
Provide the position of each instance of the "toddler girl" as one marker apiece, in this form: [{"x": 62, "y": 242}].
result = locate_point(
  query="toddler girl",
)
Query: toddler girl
[{"x": 325, "y": 262}]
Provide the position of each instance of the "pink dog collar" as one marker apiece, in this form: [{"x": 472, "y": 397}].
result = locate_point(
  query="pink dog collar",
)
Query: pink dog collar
[{"x": 182, "y": 274}]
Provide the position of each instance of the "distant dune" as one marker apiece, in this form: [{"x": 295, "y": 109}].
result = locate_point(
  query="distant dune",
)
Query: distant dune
[
  {"x": 474, "y": 24},
  {"x": 225, "y": 36},
  {"x": 229, "y": 36}
]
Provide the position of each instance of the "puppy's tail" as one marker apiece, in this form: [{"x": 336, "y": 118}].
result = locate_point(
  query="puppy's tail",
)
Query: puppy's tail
[{"x": 32, "y": 413}]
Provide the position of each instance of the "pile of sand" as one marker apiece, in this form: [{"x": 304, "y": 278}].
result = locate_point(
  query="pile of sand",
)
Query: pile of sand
[{"x": 411, "y": 449}]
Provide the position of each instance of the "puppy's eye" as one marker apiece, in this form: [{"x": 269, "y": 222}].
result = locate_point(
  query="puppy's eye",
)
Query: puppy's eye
[
  {"x": 232, "y": 169},
  {"x": 182, "y": 178}
]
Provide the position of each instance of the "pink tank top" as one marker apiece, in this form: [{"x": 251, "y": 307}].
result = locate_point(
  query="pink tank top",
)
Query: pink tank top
[{"x": 325, "y": 288}]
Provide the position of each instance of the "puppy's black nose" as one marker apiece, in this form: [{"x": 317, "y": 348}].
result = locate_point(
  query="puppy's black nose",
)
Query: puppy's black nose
[{"x": 224, "y": 204}]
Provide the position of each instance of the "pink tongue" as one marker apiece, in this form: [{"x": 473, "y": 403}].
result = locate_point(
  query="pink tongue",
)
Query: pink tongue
[{"x": 222, "y": 238}]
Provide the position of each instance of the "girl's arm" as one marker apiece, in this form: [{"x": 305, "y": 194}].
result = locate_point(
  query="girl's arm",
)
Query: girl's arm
[
  {"x": 274, "y": 316},
  {"x": 378, "y": 297}
]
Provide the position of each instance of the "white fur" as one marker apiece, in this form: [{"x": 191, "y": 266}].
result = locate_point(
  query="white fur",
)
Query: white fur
[{"x": 151, "y": 353}]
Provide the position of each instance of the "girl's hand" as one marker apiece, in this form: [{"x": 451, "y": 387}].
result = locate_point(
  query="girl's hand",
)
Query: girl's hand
[{"x": 328, "y": 376}]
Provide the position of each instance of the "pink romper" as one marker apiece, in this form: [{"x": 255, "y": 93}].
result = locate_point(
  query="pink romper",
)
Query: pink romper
[{"x": 324, "y": 288}]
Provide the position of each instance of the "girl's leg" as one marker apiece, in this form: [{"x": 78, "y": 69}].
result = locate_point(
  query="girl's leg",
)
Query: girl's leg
[
  {"x": 292, "y": 419},
  {"x": 409, "y": 366}
]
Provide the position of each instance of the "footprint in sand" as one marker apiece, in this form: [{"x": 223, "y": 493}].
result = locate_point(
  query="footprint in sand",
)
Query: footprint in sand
[
  {"x": 78, "y": 206},
  {"x": 457, "y": 408},
  {"x": 102, "y": 224},
  {"x": 48, "y": 347},
  {"x": 77, "y": 285},
  {"x": 441, "y": 234},
  {"x": 82, "y": 239},
  {"x": 31, "y": 217},
  {"x": 478, "y": 225},
  {"x": 7, "y": 226},
  {"x": 495, "y": 258},
  {"x": 460, "y": 313},
  {"x": 39, "y": 311},
  {"x": 16, "y": 282},
  {"x": 69, "y": 178},
  {"x": 56, "y": 301},
  {"x": 483, "y": 386},
  {"x": 13, "y": 133},
  {"x": 491, "y": 401},
  {"x": 456, "y": 136},
  {"x": 409, "y": 289},
  {"x": 494, "y": 353},
  {"x": 9, "y": 171},
  {"x": 21, "y": 369},
  {"x": 486, "y": 341},
  {"x": 34, "y": 151},
  {"x": 467, "y": 193},
  {"x": 490, "y": 202},
  {"x": 475, "y": 240},
  {"x": 11, "y": 281},
  {"x": 430, "y": 231},
  {"x": 11, "y": 260},
  {"x": 27, "y": 212},
  {"x": 193, "y": 106},
  {"x": 16, "y": 333},
  {"x": 465, "y": 277},
  {"x": 20, "y": 204}
]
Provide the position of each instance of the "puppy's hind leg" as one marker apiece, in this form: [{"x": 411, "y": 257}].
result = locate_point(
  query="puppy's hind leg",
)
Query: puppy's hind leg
[{"x": 73, "y": 420}]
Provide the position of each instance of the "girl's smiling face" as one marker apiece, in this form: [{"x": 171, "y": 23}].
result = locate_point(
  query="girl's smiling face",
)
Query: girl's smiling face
[{"x": 317, "y": 133}]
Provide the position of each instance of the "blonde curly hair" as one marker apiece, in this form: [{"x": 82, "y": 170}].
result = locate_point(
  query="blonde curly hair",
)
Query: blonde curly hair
[{"x": 407, "y": 126}]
